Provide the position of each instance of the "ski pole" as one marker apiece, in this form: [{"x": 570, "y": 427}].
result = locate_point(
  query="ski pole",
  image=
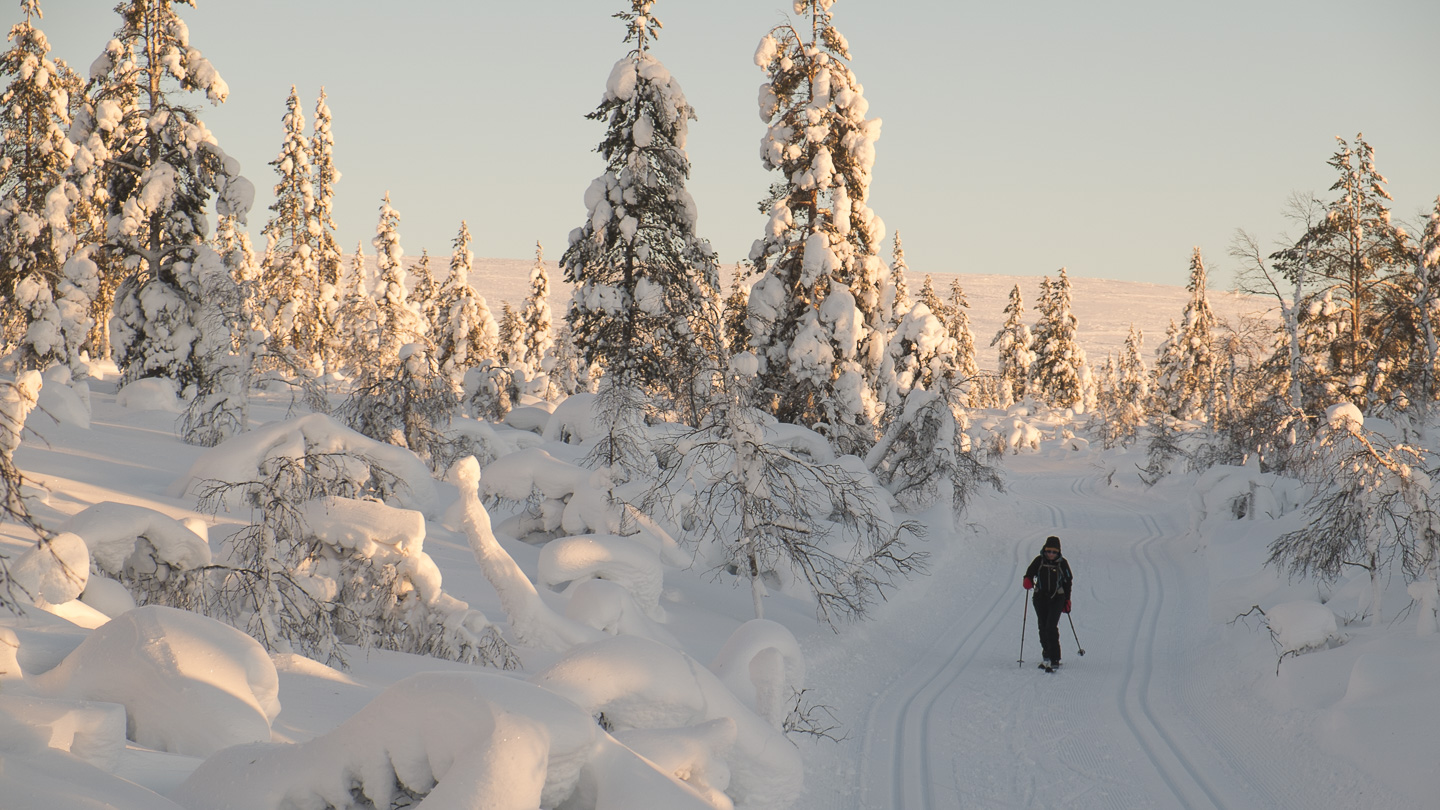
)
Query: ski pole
[
  {"x": 1023, "y": 623},
  {"x": 1072, "y": 632}
]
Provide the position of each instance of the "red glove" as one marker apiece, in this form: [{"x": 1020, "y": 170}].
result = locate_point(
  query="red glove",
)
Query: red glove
[
  {"x": 1027, "y": 583},
  {"x": 1067, "y": 606}
]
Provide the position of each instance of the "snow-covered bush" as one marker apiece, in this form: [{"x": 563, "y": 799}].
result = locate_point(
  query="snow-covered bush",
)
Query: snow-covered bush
[
  {"x": 364, "y": 467},
  {"x": 408, "y": 407},
  {"x": 370, "y": 558},
  {"x": 925, "y": 448},
  {"x": 157, "y": 558},
  {"x": 489, "y": 390},
  {"x": 769, "y": 515}
]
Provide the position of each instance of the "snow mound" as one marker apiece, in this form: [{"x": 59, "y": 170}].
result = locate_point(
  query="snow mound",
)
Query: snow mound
[
  {"x": 240, "y": 459},
  {"x": 628, "y": 564},
  {"x": 452, "y": 737},
  {"x": 150, "y": 394},
  {"x": 189, "y": 684},
  {"x": 55, "y": 570},
  {"x": 62, "y": 402},
  {"x": 641, "y": 684},
  {"x": 762, "y": 664},
  {"x": 574, "y": 420},
  {"x": 93, "y": 732},
  {"x": 44, "y": 779},
  {"x": 124, "y": 538},
  {"x": 1302, "y": 625}
]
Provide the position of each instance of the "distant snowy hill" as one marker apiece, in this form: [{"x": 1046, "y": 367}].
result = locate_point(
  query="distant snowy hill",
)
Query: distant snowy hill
[{"x": 1105, "y": 309}]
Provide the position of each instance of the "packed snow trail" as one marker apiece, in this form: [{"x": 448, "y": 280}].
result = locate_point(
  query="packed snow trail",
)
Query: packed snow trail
[{"x": 941, "y": 715}]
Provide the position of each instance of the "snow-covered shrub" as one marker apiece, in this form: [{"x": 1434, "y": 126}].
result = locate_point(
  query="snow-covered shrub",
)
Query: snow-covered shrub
[
  {"x": 925, "y": 448},
  {"x": 363, "y": 467},
  {"x": 370, "y": 558},
  {"x": 563, "y": 497},
  {"x": 53, "y": 571},
  {"x": 409, "y": 406},
  {"x": 189, "y": 685},
  {"x": 1370, "y": 503},
  {"x": 157, "y": 558},
  {"x": 762, "y": 664},
  {"x": 489, "y": 390},
  {"x": 1301, "y": 626},
  {"x": 767, "y": 514}
]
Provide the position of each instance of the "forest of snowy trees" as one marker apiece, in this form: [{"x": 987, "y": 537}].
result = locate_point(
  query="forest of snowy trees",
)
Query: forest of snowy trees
[
  {"x": 785, "y": 429},
  {"x": 110, "y": 181}
]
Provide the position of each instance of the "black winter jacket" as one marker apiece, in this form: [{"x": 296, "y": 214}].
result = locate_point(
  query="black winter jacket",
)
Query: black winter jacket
[{"x": 1051, "y": 579}]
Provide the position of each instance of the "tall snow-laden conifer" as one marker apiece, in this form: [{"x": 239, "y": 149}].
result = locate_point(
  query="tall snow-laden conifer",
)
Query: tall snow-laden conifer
[
  {"x": 898, "y": 269},
  {"x": 1060, "y": 374},
  {"x": 288, "y": 281},
  {"x": 329, "y": 259},
  {"x": 358, "y": 319},
  {"x": 1351, "y": 255},
  {"x": 820, "y": 310},
  {"x": 1427, "y": 305},
  {"x": 931, "y": 299},
  {"x": 425, "y": 290},
  {"x": 1187, "y": 378},
  {"x": 512, "y": 330},
  {"x": 158, "y": 167},
  {"x": 539, "y": 331},
  {"x": 638, "y": 268},
  {"x": 1013, "y": 342},
  {"x": 1132, "y": 389},
  {"x": 398, "y": 320},
  {"x": 967, "y": 369},
  {"x": 49, "y": 314},
  {"x": 465, "y": 331}
]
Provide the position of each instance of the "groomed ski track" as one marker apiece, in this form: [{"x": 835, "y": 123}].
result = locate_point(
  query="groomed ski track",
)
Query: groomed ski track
[{"x": 940, "y": 713}]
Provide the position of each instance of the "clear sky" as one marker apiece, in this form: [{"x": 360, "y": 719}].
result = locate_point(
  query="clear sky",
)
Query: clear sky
[{"x": 1109, "y": 136}]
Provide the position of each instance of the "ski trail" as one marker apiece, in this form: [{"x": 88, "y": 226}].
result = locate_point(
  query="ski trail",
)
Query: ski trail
[
  {"x": 1133, "y": 695},
  {"x": 910, "y": 732}
]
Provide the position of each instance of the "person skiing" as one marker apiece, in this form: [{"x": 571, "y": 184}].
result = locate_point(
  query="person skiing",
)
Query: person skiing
[{"x": 1052, "y": 583}]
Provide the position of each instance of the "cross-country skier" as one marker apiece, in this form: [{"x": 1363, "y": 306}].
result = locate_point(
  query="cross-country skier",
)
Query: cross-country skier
[{"x": 1050, "y": 580}]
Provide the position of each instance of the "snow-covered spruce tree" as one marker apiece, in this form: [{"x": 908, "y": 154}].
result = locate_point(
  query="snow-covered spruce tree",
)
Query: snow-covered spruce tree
[
  {"x": 1363, "y": 487},
  {"x": 638, "y": 268},
  {"x": 287, "y": 282},
  {"x": 329, "y": 259},
  {"x": 159, "y": 168},
  {"x": 778, "y": 515},
  {"x": 1188, "y": 368},
  {"x": 425, "y": 291},
  {"x": 400, "y": 396},
  {"x": 1426, "y": 269},
  {"x": 737, "y": 310},
  {"x": 569, "y": 372},
  {"x": 1013, "y": 342},
  {"x": 37, "y": 228},
  {"x": 820, "y": 309},
  {"x": 398, "y": 321},
  {"x": 1060, "y": 373},
  {"x": 357, "y": 320},
  {"x": 931, "y": 299},
  {"x": 1351, "y": 254},
  {"x": 234, "y": 312},
  {"x": 512, "y": 329},
  {"x": 538, "y": 333},
  {"x": 898, "y": 269},
  {"x": 465, "y": 332},
  {"x": 1132, "y": 388},
  {"x": 967, "y": 369}
]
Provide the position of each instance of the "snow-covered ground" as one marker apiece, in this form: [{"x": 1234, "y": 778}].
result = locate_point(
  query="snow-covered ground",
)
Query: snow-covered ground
[{"x": 1173, "y": 704}]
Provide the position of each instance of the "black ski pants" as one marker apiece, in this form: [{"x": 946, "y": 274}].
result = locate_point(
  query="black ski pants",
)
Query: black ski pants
[{"x": 1047, "y": 618}]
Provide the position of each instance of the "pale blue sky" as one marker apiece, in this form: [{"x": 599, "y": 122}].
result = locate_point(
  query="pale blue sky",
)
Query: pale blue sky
[{"x": 1106, "y": 135}]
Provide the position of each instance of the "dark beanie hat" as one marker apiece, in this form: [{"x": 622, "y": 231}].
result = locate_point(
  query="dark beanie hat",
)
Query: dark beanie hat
[{"x": 1051, "y": 542}]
